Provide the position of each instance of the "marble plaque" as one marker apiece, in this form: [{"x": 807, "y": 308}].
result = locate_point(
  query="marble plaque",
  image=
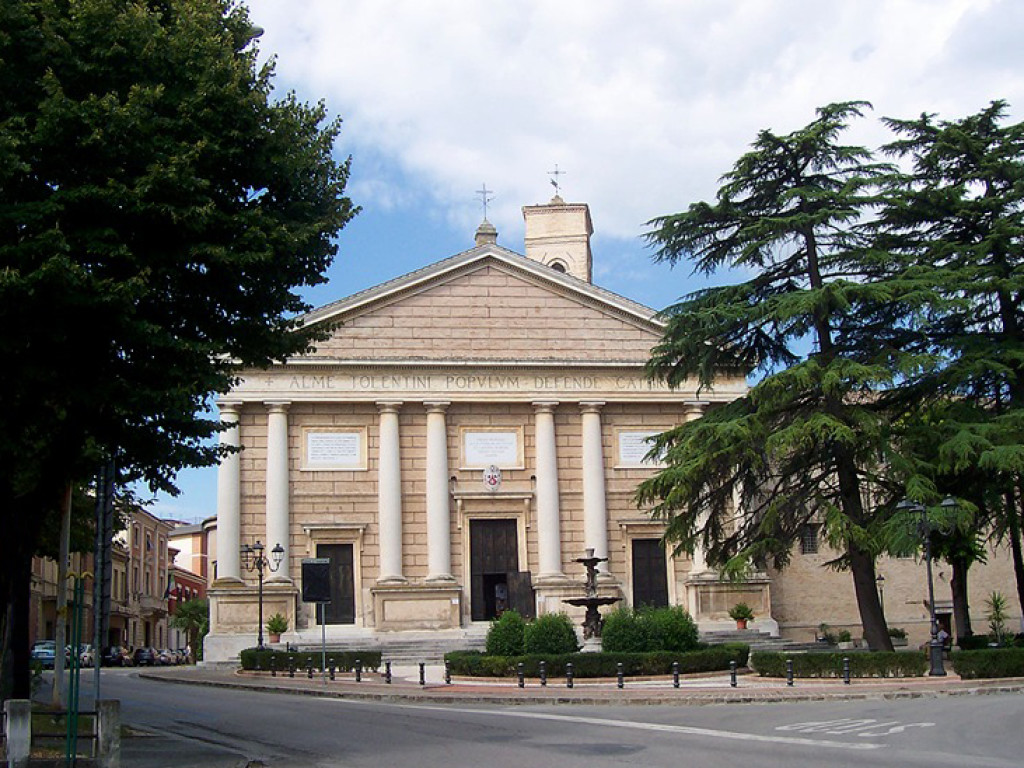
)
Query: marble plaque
[
  {"x": 634, "y": 447},
  {"x": 335, "y": 450},
  {"x": 482, "y": 449}
]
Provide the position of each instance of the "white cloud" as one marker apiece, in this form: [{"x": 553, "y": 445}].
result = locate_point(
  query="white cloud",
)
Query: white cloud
[{"x": 644, "y": 104}]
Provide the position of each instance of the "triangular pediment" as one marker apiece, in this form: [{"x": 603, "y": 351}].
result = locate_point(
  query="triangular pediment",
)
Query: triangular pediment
[{"x": 487, "y": 304}]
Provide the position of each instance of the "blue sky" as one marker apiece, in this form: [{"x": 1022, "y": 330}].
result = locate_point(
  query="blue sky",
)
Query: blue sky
[{"x": 642, "y": 103}]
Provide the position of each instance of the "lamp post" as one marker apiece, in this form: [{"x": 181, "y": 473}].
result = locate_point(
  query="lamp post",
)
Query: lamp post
[
  {"x": 253, "y": 559},
  {"x": 924, "y": 528},
  {"x": 880, "y": 582}
]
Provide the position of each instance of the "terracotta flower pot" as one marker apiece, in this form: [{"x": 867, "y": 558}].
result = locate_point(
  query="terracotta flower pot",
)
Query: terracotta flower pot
[{"x": 741, "y": 623}]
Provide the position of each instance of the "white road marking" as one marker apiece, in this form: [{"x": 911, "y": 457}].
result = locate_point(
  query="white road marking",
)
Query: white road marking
[
  {"x": 680, "y": 729},
  {"x": 868, "y": 727}
]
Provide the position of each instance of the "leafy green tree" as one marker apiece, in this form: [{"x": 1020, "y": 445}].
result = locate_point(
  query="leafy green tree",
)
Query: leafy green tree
[
  {"x": 158, "y": 211},
  {"x": 956, "y": 223},
  {"x": 193, "y": 618},
  {"x": 811, "y": 317}
]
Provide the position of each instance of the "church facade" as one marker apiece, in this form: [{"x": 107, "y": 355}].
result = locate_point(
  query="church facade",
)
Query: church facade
[{"x": 467, "y": 432}]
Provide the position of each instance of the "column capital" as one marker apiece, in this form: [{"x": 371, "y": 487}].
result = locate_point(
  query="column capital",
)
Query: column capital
[
  {"x": 389, "y": 406},
  {"x": 436, "y": 406},
  {"x": 694, "y": 409},
  {"x": 591, "y": 406},
  {"x": 277, "y": 406},
  {"x": 229, "y": 407},
  {"x": 544, "y": 406}
]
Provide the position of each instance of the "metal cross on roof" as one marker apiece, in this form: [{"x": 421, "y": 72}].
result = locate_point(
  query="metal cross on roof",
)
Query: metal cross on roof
[
  {"x": 485, "y": 196},
  {"x": 554, "y": 182}
]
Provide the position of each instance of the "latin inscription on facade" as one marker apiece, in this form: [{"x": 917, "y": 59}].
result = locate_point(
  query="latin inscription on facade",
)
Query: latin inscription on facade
[
  {"x": 334, "y": 450},
  {"x": 634, "y": 445},
  {"x": 484, "y": 448}
]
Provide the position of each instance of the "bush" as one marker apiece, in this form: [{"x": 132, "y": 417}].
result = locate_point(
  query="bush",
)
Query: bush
[
  {"x": 551, "y": 633},
  {"x": 623, "y": 632},
  {"x": 897, "y": 633},
  {"x": 475, "y": 664},
  {"x": 874, "y": 664},
  {"x": 670, "y": 629},
  {"x": 505, "y": 637},
  {"x": 992, "y": 662},
  {"x": 343, "y": 660},
  {"x": 972, "y": 642},
  {"x": 844, "y": 636}
]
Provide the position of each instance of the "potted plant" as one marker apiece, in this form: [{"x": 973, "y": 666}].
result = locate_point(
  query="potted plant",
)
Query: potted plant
[
  {"x": 899, "y": 636},
  {"x": 276, "y": 624},
  {"x": 741, "y": 613},
  {"x": 845, "y": 640}
]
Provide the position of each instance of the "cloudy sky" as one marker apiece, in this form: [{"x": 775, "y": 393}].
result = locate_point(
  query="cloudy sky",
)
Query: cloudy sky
[{"x": 642, "y": 103}]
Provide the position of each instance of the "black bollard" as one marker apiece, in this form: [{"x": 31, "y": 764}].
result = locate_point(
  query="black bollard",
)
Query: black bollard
[
  {"x": 789, "y": 672},
  {"x": 568, "y": 675},
  {"x": 675, "y": 674},
  {"x": 618, "y": 668},
  {"x": 309, "y": 667},
  {"x": 520, "y": 675},
  {"x": 332, "y": 668},
  {"x": 259, "y": 664},
  {"x": 544, "y": 673},
  {"x": 291, "y": 666},
  {"x": 732, "y": 673},
  {"x": 359, "y": 670},
  {"x": 387, "y": 672},
  {"x": 846, "y": 670},
  {"x": 273, "y": 665},
  {"x": 447, "y": 673},
  {"x": 423, "y": 673}
]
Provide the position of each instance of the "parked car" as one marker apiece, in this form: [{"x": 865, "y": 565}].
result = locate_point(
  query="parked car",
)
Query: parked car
[
  {"x": 145, "y": 657},
  {"x": 44, "y": 653},
  {"x": 85, "y": 655},
  {"x": 166, "y": 657},
  {"x": 116, "y": 656}
]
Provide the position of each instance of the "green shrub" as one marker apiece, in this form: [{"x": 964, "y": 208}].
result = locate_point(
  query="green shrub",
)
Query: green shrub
[
  {"x": 844, "y": 636},
  {"x": 741, "y": 611},
  {"x": 897, "y": 633},
  {"x": 623, "y": 632},
  {"x": 475, "y": 664},
  {"x": 874, "y": 664},
  {"x": 343, "y": 660},
  {"x": 669, "y": 629},
  {"x": 505, "y": 637},
  {"x": 972, "y": 642},
  {"x": 991, "y": 662},
  {"x": 551, "y": 633}
]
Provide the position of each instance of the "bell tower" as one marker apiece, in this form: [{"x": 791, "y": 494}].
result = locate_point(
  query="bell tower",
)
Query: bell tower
[{"x": 558, "y": 235}]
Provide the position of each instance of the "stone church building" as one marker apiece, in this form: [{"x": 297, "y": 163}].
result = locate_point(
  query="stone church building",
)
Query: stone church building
[{"x": 465, "y": 434}]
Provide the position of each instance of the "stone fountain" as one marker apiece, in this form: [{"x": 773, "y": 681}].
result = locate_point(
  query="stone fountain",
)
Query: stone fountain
[{"x": 592, "y": 621}]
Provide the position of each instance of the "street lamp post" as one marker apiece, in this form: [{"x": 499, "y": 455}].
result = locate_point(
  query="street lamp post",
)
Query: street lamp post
[
  {"x": 925, "y": 531},
  {"x": 253, "y": 559},
  {"x": 880, "y": 581}
]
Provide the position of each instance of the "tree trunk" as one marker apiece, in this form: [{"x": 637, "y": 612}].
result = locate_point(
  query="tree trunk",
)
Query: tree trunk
[
  {"x": 20, "y": 582},
  {"x": 862, "y": 566},
  {"x": 961, "y": 607},
  {"x": 1013, "y": 516}
]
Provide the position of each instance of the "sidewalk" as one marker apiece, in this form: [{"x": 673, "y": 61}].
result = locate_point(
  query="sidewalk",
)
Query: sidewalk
[{"x": 693, "y": 690}]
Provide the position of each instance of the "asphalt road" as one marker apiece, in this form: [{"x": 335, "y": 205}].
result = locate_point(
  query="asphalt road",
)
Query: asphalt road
[{"x": 190, "y": 726}]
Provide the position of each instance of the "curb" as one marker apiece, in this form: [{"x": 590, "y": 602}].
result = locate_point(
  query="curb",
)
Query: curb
[{"x": 431, "y": 694}]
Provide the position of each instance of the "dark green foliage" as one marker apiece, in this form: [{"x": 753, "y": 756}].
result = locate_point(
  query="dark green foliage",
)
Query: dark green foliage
[
  {"x": 876, "y": 664},
  {"x": 649, "y": 629},
  {"x": 343, "y": 660},
  {"x": 992, "y": 662},
  {"x": 972, "y": 642},
  {"x": 550, "y": 633},
  {"x": 505, "y": 637},
  {"x": 474, "y": 664},
  {"x": 623, "y": 632}
]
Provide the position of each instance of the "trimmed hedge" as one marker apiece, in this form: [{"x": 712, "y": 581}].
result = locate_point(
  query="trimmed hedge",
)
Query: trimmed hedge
[
  {"x": 551, "y": 633},
  {"x": 992, "y": 662},
  {"x": 505, "y": 637},
  {"x": 476, "y": 664},
  {"x": 874, "y": 664},
  {"x": 628, "y": 630},
  {"x": 344, "y": 661}
]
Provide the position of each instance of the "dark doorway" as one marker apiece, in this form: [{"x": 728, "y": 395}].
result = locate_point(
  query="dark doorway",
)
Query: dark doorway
[
  {"x": 650, "y": 579},
  {"x": 493, "y": 565},
  {"x": 342, "y": 608}
]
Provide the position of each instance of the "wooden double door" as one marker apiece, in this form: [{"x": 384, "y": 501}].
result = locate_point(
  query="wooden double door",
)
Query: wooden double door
[
  {"x": 342, "y": 608},
  {"x": 650, "y": 573},
  {"x": 496, "y": 583}
]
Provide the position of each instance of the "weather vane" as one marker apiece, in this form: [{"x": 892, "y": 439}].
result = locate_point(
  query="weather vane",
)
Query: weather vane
[
  {"x": 554, "y": 182},
  {"x": 485, "y": 196}
]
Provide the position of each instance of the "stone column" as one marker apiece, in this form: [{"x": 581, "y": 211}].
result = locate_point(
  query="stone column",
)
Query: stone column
[
  {"x": 595, "y": 506},
  {"x": 277, "y": 486},
  {"x": 693, "y": 410},
  {"x": 389, "y": 493},
  {"x": 439, "y": 545},
  {"x": 549, "y": 534},
  {"x": 229, "y": 499}
]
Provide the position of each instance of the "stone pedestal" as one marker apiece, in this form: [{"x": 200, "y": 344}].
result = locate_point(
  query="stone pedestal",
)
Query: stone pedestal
[{"x": 403, "y": 607}]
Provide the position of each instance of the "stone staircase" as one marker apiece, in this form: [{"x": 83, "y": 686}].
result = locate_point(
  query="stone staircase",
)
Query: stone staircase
[
  {"x": 758, "y": 641},
  {"x": 408, "y": 648}
]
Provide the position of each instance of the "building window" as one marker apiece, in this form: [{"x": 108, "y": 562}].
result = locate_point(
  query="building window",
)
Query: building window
[
  {"x": 149, "y": 541},
  {"x": 135, "y": 535},
  {"x": 135, "y": 579},
  {"x": 809, "y": 539}
]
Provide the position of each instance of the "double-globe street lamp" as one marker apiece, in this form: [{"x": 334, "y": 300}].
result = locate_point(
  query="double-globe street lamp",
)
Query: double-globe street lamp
[
  {"x": 925, "y": 528},
  {"x": 254, "y": 559}
]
